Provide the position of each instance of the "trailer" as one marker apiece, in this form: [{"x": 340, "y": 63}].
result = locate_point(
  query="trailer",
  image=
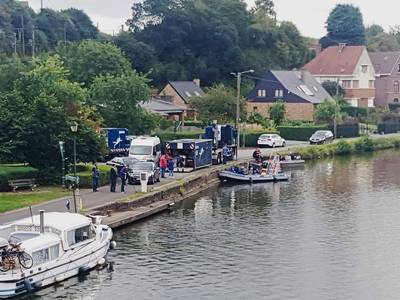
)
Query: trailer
[
  {"x": 190, "y": 154},
  {"x": 221, "y": 135},
  {"x": 117, "y": 140}
]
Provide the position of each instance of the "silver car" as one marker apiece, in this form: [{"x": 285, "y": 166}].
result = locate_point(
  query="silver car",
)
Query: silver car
[
  {"x": 321, "y": 137},
  {"x": 148, "y": 167}
]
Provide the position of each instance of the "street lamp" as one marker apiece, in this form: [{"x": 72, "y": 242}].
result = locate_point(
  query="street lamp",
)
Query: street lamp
[
  {"x": 238, "y": 76},
  {"x": 74, "y": 129},
  {"x": 61, "y": 144}
]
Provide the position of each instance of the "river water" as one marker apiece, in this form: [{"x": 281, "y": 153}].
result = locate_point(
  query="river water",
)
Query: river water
[{"x": 331, "y": 232}]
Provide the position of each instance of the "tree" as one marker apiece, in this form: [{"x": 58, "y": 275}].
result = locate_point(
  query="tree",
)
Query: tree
[
  {"x": 344, "y": 25},
  {"x": 333, "y": 88},
  {"x": 219, "y": 103},
  {"x": 326, "y": 111},
  {"x": 117, "y": 99},
  {"x": 88, "y": 59},
  {"x": 38, "y": 114},
  {"x": 277, "y": 112}
]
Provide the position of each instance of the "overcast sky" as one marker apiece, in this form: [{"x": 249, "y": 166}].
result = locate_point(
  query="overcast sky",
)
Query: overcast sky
[{"x": 309, "y": 15}]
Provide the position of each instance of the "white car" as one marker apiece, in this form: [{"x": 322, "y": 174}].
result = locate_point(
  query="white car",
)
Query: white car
[{"x": 271, "y": 140}]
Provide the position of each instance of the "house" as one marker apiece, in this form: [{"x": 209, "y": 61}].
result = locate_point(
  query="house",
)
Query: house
[
  {"x": 165, "y": 109},
  {"x": 179, "y": 93},
  {"x": 351, "y": 67},
  {"x": 387, "y": 82},
  {"x": 300, "y": 91}
]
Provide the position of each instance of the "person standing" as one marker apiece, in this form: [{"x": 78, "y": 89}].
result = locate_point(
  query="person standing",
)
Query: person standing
[
  {"x": 163, "y": 164},
  {"x": 113, "y": 179},
  {"x": 122, "y": 175},
  {"x": 225, "y": 154},
  {"x": 95, "y": 178},
  {"x": 171, "y": 166}
]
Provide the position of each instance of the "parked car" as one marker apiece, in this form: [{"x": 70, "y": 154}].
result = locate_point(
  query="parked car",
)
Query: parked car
[
  {"x": 149, "y": 167},
  {"x": 321, "y": 137},
  {"x": 271, "y": 140}
]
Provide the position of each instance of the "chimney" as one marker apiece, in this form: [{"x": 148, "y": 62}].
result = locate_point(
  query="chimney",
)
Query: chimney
[
  {"x": 41, "y": 212},
  {"x": 196, "y": 82},
  {"x": 341, "y": 47}
]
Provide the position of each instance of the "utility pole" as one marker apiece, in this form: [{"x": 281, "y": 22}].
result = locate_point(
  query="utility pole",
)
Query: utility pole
[
  {"x": 41, "y": 5},
  {"x": 23, "y": 35},
  {"x": 336, "y": 112},
  {"x": 15, "y": 44},
  {"x": 238, "y": 76}
]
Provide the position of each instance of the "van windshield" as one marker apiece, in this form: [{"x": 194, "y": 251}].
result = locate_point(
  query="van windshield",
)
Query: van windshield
[{"x": 141, "y": 150}]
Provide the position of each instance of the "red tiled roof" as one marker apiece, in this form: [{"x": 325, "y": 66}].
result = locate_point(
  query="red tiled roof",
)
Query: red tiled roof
[{"x": 332, "y": 61}]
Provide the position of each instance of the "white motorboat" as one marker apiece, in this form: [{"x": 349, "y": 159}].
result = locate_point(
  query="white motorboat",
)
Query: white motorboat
[{"x": 55, "y": 246}]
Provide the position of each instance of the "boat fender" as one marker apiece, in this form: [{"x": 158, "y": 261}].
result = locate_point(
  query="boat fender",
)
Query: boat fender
[
  {"x": 37, "y": 285},
  {"x": 101, "y": 261},
  {"x": 113, "y": 244},
  {"x": 83, "y": 270},
  {"x": 28, "y": 285},
  {"x": 60, "y": 278}
]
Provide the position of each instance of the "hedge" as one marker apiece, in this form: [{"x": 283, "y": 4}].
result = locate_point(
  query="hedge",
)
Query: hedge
[
  {"x": 84, "y": 172},
  {"x": 168, "y": 136},
  {"x": 388, "y": 127},
  {"x": 299, "y": 133},
  {"x": 346, "y": 130},
  {"x": 9, "y": 172}
]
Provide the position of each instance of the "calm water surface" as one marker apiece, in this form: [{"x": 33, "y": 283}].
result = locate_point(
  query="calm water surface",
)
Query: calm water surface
[{"x": 332, "y": 232}]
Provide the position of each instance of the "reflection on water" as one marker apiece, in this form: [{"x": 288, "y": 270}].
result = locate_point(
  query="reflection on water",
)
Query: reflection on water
[{"x": 329, "y": 233}]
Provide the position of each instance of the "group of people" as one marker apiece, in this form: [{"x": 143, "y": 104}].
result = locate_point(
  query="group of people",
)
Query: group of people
[{"x": 115, "y": 173}]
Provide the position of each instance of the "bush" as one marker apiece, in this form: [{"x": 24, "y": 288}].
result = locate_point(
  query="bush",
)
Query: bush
[
  {"x": 355, "y": 112},
  {"x": 9, "y": 172},
  {"x": 85, "y": 175},
  {"x": 194, "y": 123},
  {"x": 168, "y": 136},
  {"x": 299, "y": 133},
  {"x": 365, "y": 144},
  {"x": 346, "y": 130},
  {"x": 343, "y": 147}
]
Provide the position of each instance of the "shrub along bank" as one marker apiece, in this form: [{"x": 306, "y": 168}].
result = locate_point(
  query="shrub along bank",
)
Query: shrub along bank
[
  {"x": 10, "y": 172},
  {"x": 344, "y": 147},
  {"x": 84, "y": 172}
]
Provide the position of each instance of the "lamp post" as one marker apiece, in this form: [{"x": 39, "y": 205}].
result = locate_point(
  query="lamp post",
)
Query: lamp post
[
  {"x": 61, "y": 144},
  {"x": 238, "y": 76},
  {"x": 74, "y": 129}
]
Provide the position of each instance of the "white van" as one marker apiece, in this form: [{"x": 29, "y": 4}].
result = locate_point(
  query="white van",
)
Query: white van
[{"x": 146, "y": 148}]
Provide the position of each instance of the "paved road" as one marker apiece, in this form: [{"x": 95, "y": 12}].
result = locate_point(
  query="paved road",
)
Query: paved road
[{"x": 104, "y": 196}]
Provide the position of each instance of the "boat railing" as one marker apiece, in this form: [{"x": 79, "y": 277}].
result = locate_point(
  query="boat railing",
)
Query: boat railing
[{"x": 35, "y": 228}]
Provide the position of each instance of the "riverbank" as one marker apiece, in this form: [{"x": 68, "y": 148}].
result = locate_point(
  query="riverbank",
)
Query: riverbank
[
  {"x": 128, "y": 210},
  {"x": 347, "y": 146}
]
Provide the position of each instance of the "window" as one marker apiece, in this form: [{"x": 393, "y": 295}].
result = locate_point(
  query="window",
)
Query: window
[
  {"x": 306, "y": 90},
  {"x": 188, "y": 94},
  {"x": 54, "y": 252},
  {"x": 79, "y": 235},
  {"x": 396, "y": 87},
  {"x": 398, "y": 68},
  {"x": 346, "y": 84},
  {"x": 197, "y": 93},
  {"x": 255, "y": 109},
  {"x": 278, "y": 93},
  {"x": 396, "y": 100},
  {"x": 356, "y": 84},
  {"x": 262, "y": 93},
  {"x": 364, "y": 68},
  {"x": 371, "y": 84},
  {"x": 315, "y": 88},
  {"x": 41, "y": 256}
]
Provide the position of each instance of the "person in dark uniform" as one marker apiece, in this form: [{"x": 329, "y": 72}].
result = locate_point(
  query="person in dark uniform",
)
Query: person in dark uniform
[
  {"x": 95, "y": 178},
  {"x": 113, "y": 178},
  {"x": 123, "y": 174}
]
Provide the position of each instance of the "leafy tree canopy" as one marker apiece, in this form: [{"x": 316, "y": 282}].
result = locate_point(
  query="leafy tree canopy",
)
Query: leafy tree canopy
[
  {"x": 344, "y": 25},
  {"x": 88, "y": 59},
  {"x": 219, "y": 103},
  {"x": 333, "y": 88},
  {"x": 277, "y": 112}
]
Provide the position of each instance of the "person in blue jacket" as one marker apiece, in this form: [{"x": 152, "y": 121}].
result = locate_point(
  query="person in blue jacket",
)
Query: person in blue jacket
[
  {"x": 123, "y": 174},
  {"x": 226, "y": 153}
]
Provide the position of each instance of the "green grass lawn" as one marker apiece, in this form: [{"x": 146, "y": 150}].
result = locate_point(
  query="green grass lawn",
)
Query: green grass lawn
[{"x": 24, "y": 198}]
